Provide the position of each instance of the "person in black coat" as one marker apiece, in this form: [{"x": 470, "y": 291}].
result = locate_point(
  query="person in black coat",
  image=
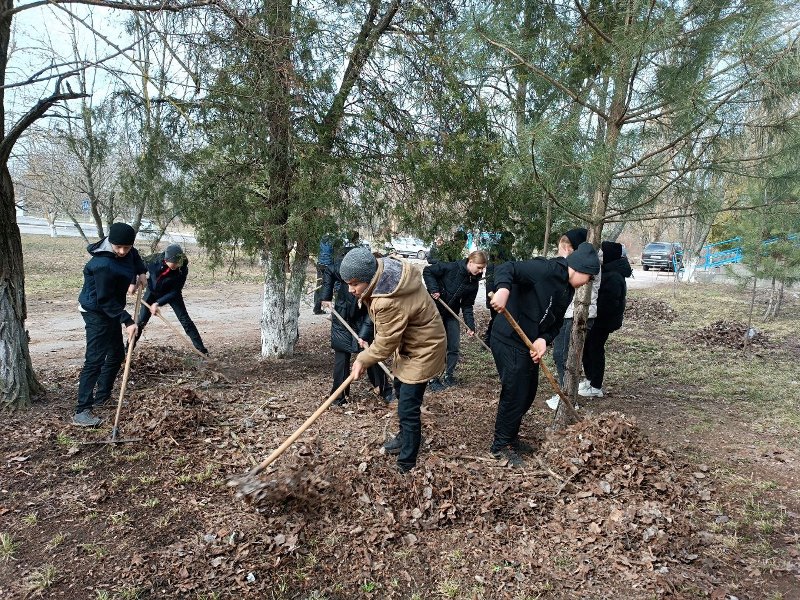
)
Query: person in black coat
[
  {"x": 342, "y": 341},
  {"x": 166, "y": 276},
  {"x": 536, "y": 293},
  {"x": 610, "y": 310},
  {"x": 114, "y": 269},
  {"x": 500, "y": 252},
  {"x": 456, "y": 284}
]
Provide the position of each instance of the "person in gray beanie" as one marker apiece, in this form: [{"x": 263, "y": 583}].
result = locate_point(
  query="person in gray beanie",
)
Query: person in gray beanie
[
  {"x": 407, "y": 327},
  {"x": 166, "y": 276},
  {"x": 536, "y": 293}
]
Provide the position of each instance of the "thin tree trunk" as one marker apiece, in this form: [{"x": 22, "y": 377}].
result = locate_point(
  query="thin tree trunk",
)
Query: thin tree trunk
[
  {"x": 746, "y": 344},
  {"x": 548, "y": 222}
]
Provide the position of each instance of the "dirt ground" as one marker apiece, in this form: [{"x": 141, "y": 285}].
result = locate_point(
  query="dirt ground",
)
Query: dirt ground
[{"x": 680, "y": 483}]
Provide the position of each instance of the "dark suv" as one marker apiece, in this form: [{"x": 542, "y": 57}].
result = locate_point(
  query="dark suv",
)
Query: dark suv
[{"x": 662, "y": 255}]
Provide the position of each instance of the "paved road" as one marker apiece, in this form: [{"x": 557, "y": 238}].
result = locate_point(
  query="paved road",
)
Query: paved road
[{"x": 37, "y": 226}]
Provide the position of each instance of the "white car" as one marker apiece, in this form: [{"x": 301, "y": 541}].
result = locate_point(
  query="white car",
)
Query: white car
[{"x": 410, "y": 247}]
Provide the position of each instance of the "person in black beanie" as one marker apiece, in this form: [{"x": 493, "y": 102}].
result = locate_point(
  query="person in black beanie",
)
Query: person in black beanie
[
  {"x": 114, "y": 268},
  {"x": 610, "y": 310},
  {"x": 166, "y": 276},
  {"x": 407, "y": 327},
  {"x": 536, "y": 293}
]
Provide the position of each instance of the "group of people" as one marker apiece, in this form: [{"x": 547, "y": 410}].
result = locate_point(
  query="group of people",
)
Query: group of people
[{"x": 383, "y": 308}]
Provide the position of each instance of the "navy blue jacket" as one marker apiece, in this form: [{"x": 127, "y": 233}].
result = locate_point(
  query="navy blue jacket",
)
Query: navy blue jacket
[
  {"x": 540, "y": 295},
  {"x": 456, "y": 286},
  {"x": 164, "y": 287},
  {"x": 106, "y": 278},
  {"x": 612, "y": 294},
  {"x": 347, "y": 306}
]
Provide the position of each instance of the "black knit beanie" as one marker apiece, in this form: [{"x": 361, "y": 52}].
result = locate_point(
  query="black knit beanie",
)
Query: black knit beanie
[
  {"x": 121, "y": 234},
  {"x": 584, "y": 259},
  {"x": 358, "y": 264}
]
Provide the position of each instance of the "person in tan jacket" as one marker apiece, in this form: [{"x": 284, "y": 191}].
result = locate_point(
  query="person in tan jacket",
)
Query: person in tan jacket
[{"x": 407, "y": 326}]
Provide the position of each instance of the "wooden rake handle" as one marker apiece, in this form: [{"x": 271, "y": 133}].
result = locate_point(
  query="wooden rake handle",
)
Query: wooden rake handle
[
  {"x": 355, "y": 335},
  {"x": 547, "y": 373},
  {"x": 178, "y": 333},
  {"x": 124, "y": 385},
  {"x": 460, "y": 320},
  {"x": 292, "y": 438}
]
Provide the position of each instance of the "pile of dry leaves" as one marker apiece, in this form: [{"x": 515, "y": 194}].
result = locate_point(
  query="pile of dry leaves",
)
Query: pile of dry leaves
[
  {"x": 728, "y": 334},
  {"x": 176, "y": 414},
  {"x": 649, "y": 310}
]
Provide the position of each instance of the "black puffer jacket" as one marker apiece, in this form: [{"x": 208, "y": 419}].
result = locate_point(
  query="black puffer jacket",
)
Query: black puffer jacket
[
  {"x": 456, "y": 286},
  {"x": 106, "y": 278},
  {"x": 540, "y": 295},
  {"x": 164, "y": 284},
  {"x": 612, "y": 294},
  {"x": 347, "y": 306}
]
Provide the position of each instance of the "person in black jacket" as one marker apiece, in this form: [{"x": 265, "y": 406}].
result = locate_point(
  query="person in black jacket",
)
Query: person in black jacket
[
  {"x": 114, "y": 269},
  {"x": 536, "y": 293},
  {"x": 610, "y": 309},
  {"x": 166, "y": 276},
  {"x": 500, "y": 252},
  {"x": 456, "y": 284},
  {"x": 342, "y": 341}
]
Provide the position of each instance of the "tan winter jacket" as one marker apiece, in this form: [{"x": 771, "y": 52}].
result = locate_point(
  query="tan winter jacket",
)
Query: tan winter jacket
[{"x": 406, "y": 323}]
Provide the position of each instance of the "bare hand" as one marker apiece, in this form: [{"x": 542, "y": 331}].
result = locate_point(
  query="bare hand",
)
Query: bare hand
[
  {"x": 154, "y": 309},
  {"x": 470, "y": 333},
  {"x": 357, "y": 370},
  {"x": 363, "y": 343},
  {"x": 499, "y": 299},
  {"x": 131, "y": 289},
  {"x": 326, "y": 304},
  {"x": 539, "y": 349},
  {"x": 435, "y": 295},
  {"x": 132, "y": 330}
]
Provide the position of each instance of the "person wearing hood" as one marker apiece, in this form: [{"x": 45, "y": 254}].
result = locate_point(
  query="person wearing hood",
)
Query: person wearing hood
[
  {"x": 610, "y": 310},
  {"x": 536, "y": 293},
  {"x": 407, "y": 327},
  {"x": 166, "y": 275},
  {"x": 456, "y": 284},
  {"x": 566, "y": 245},
  {"x": 114, "y": 269}
]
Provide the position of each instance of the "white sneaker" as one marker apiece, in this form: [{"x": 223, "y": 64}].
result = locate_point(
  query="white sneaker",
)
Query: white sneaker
[
  {"x": 584, "y": 384},
  {"x": 552, "y": 402},
  {"x": 591, "y": 392}
]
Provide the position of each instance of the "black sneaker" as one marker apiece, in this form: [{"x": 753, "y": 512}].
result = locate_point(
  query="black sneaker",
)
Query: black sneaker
[
  {"x": 522, "y": 447},
  {"x": 341, "y": 400},
  {"x": 392, "y": 445},
  {"x": 448, "y": 381},
  {"x": 436, "y": 385},
  {"x": 403, "y": 469},
  {"x": 85, "y": 418},
  {"x": 388, "y": 395},
  {"x": 510, "y": 456}
]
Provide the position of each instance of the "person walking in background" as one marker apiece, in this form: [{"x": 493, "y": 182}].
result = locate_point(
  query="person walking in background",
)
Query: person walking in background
[
  {"x": 324, "y": 260},
  {"x": 566, "y": 245},
  {"x": 536, "y": 293},
  {"x": 456, "y": 284},
  {"x": 342, "y": 341},
  {"x": 114, "y": 269},
  {"x": 500, "y": 252},
  {"x": 166, "y": 275},
  {"x": 610, "y": 310},
  {"x": 449, "y": 251},
  {"x": 407, "y": 327}
]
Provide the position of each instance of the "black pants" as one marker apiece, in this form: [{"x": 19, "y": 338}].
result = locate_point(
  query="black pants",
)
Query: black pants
[
  {"x": 519, "y": 378},
  {"x": 318, "y": 288},
  {"x": 179, "y": 308},
  {"x": 594, "y": 356},
  {"x": 452, "y": 329},
  {"x": 409, "y": 406},
  {"x": 105, "y": 353},
  {"x": 487, "y": 337},
  {"x": 341, "y": 369}
]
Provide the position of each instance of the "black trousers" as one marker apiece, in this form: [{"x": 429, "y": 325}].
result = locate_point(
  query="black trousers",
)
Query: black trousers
[
  {"x": 409, "y": 405},
  {"x": 594, "y": 356},
  {"x": 519, "y": 378},
  {"x": 561, "y": 346},
  {"x": 318, "y": 287},
  {"x": 452, "y": 329},
  {"x": 179, "y": 308},
  {"x": 105, "y": 354},
  {"x": 341, "y": 369},
  {"x": 492, "y": 316}
]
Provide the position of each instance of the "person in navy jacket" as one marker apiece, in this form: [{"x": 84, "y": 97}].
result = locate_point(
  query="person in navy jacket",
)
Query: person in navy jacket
[
  {"x": 114, "y": 269},
  {"x": 166, "y": 276}
]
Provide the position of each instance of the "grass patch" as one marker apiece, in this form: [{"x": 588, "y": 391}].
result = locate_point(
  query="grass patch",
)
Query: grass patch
[
  {"x": 7, "y": 546},
  {"x": 41, "y": 579}
]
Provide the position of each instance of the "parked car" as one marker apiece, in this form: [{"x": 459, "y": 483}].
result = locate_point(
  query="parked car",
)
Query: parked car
[
  {"x": 410, "y": 247},
  {"x": 662, "y": 255}
]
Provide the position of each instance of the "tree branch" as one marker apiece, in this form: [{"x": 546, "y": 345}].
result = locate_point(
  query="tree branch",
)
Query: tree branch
[{"x": 166, "y": 6}]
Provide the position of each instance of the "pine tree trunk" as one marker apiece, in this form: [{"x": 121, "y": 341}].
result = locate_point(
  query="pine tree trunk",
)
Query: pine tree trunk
[{"x": 18, "y": 383}]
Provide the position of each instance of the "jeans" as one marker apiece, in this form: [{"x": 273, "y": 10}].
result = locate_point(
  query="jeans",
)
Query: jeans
[
  {"x": 105, "y": 353},
  {"x": 452, "y": 329},
  {"x": 179, "y": 308},
  {"x": 561, "y": 347},
  {"x": 408, "y": 411},
  {"x": 594, "y": 356},
  {"x": 519, "y": 378}
]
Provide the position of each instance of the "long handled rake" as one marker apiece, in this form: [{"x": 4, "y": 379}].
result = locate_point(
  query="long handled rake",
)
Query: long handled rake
[
  {"x": 547, "y": 373},
  {"x": 177, "y": 333},
  {"x": 355, "y": 335},
  {"x": 460, "y": 320}
]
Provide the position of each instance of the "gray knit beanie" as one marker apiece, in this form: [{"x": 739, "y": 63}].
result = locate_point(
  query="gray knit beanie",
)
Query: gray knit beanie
[
  {"x": 358, "y": 264},
  {"x": 584, "y": 259}
]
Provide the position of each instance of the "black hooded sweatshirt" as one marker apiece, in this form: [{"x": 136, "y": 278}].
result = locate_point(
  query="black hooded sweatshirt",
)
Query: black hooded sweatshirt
[
  {"x": 456, "y": 286},
  {"x": 612, "y": 294},
  {"x": 106, "y": 278}
]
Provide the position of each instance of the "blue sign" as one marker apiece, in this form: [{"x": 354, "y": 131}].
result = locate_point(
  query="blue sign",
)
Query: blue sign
[{"x": 85, "y": 206}]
